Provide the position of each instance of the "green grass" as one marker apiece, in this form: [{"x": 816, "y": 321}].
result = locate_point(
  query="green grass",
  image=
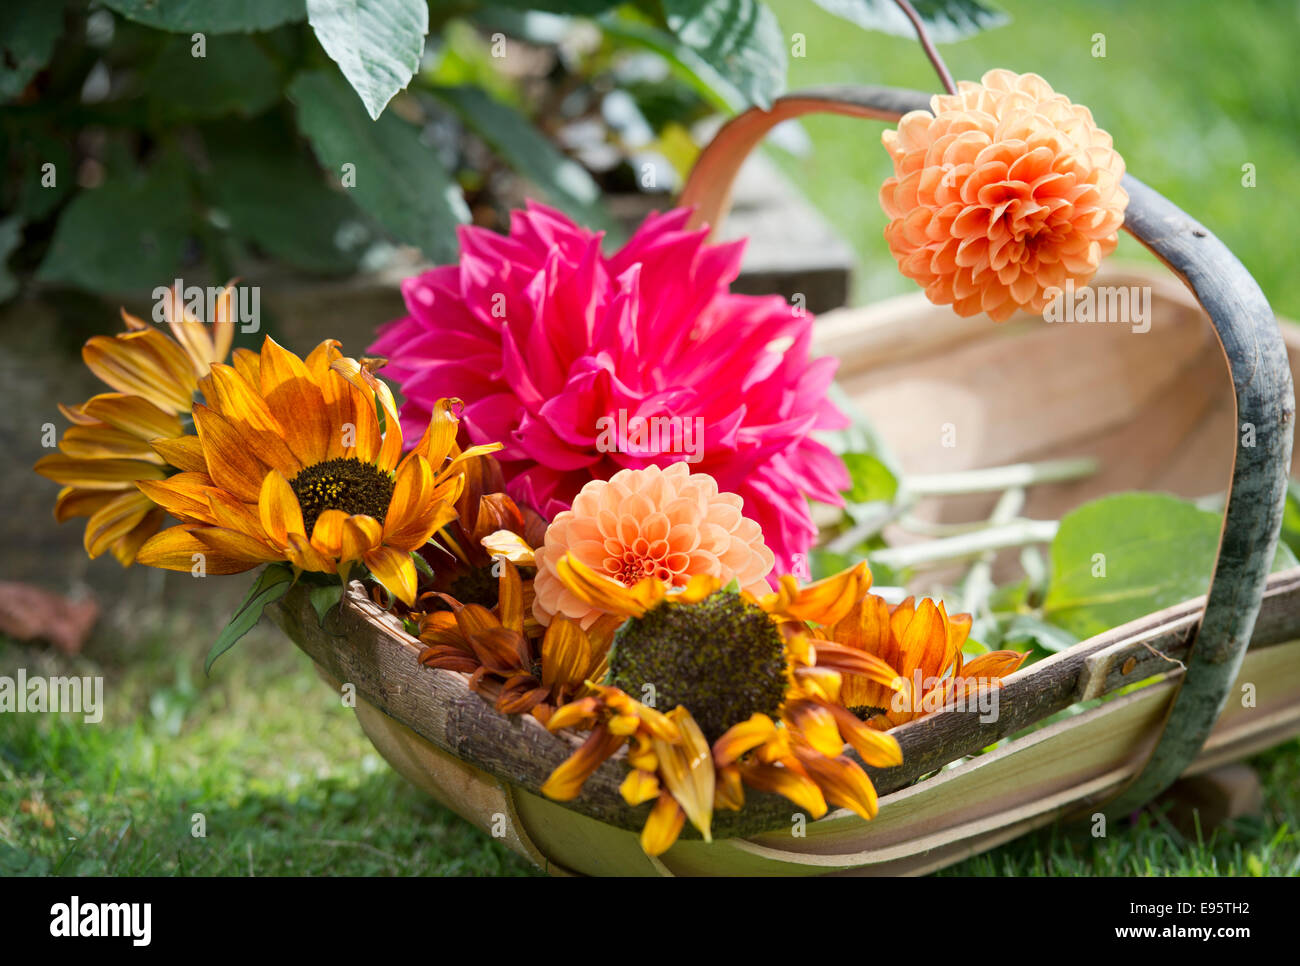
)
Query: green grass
[
  {"x": 1190, "y": 90},
  {"x": 288, "y": 785}
]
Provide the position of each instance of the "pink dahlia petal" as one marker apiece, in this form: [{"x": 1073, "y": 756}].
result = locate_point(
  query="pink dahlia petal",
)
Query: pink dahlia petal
[{"x": 549, "y": 342}]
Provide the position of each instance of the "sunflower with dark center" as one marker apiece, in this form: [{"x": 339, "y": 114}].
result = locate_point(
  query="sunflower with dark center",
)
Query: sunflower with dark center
[
  {"x": 754, "y": 702},
  {"x": 723, "y": 659},
  {"x": 292, "y": 463}
]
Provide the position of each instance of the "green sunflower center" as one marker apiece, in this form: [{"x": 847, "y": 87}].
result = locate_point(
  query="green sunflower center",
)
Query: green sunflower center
[
  {"x": 476, "y": 586},
  {"x": 344, "y": 483},
  {"x": 722, "y": 659}
]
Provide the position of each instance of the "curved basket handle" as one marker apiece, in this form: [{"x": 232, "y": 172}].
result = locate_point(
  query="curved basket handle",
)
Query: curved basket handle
[{"x": 1261, "y": 379}]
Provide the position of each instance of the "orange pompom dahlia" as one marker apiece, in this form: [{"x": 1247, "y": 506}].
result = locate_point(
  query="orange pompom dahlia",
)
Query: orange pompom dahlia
[
  {"x": 1004, "y": 194},
  {"x": 669, "y": 524}
]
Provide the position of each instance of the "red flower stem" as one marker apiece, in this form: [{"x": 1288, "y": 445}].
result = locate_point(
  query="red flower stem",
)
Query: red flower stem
[{"x": 939, "y": 66}]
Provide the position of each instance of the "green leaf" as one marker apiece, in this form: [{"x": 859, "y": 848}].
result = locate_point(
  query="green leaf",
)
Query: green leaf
[
  {"x": 280, "y": 203},
  {"x": 421, "y": 564},
  {"x": 273, "y": 584},
  {"x": 324, "y": 599},
  {"x": 1026, "y": 627},
  {"x": 872, "y": 480},
  {"x": 122, "y": 235},
  {"x": 565, "y": 182},
  {"x": 11, "y": 235},
  {"x": 210, "y": 16},
  {"x": 35, "y": 197},
  {"x": 740, "y": 39},
  {"x": 398, "y": 179},
  {"x": 376, "y": 43},
  {"x": 945, "y": 20},
  {"x": 1120, "y": 557},
  {"x": 233, "y": 77},
  {"x": 28, "y": 32},
  {"x": 1291, "y": 517}
]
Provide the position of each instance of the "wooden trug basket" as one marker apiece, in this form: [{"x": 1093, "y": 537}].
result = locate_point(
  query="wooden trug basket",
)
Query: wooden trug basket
[{"x": 1156, "y": 412}]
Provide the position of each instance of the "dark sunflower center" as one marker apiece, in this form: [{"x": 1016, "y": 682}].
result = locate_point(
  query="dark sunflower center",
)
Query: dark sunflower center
[
  {"x": 342, "y": 484},
  {"x": 476, "y": 586},
  {"x": 722, "y": 659},
  {"x": 865, "y": 712}
]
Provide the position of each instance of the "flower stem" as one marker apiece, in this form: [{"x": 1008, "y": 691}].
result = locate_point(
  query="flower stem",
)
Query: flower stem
[
  {"x": 978, "y": 585},
  {"x": 1019, "y": 533},
  {"x": 940, "y": 67},
  {"x": 996, "y": 478}
]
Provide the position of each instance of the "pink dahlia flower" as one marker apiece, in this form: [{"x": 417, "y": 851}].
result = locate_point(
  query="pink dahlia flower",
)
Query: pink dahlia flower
[{"x": 583, "y": 364}]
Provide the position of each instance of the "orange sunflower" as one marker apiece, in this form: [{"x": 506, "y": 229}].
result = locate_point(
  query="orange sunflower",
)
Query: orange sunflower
[
  {"x": 522, "y": 667},
  {"x": 118, "y": 438},
  {"x": 292, "y": 463},
  {"x": 752, "y": 702},
  {"x": 924, "y": 644}
]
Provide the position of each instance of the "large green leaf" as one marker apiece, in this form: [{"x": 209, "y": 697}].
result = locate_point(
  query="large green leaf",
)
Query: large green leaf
[
  {"x": 280, "y": 203},
  {"x": 376, "y": 43},
  {"x": 566, "y": 183},
  {"x": 210, "y": 16},
  {"x": 740, "y": 39},
  {"x": 398, "y": 179},
  {"x": 945, "y": 20},
  {"x": 273, "y": 583},
  {"x": 234, "y": 76},
  {"x": 122, "y": 235},
  {"x": 1123, "y": 556},
  {"x": 28, "y": 31}
]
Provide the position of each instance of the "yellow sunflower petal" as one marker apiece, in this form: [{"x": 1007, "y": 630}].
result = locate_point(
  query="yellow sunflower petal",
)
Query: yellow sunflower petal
[
  {"x": 730, "y": 793},
  {"x": 133, "y": 415},
  {"x": 639, "y": 786},
  {"x": 843, "y": 783},
  {"x": 787, "y": 782},
  {"x": 114, "y": 474},
  {"x": 663, "y": 826},
  {"x": 178, "y": 549},
  {"x": 510, "y": 546},
  {"x": 126, "y": 546},
  {"x": 114, "y": 520},
  {"x": 566, "y": 653},
  {"x": 183, "y": 452},
  {"x": 877, "y": 749},
  {"x": 361, "y": 535},
  {"x": 75, "y": 502},
  {"x": 828, "y": 600},
  {"x": 184, "y": 495},
  {"x": 816, "y": 725},
  {"x": 741, "y": 738},
  {"x": 510, "y": 599},
  {"x": 574, "y": 714},
  {"x": 687, "y": 771},
  {"x": 238, "y": 461},
  {"x": 106, "y": 442},
  {"x": 235, "y": 545},
  {"x": 395, "y": 570},
  {"x": 606, "y": 594},
  {"x": 565, "y": 783},
  {"x": 296, "y": 401},
  {"x": 306, "y": 557},
  {"x": 327, "y": 534},
  {"x": 278, "y": 509}
]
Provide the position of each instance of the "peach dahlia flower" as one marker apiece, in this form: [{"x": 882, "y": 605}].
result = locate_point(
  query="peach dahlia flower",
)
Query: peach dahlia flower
[
  {"x": 669, "y": 524},
  {"x": 1006, "y": 192}
]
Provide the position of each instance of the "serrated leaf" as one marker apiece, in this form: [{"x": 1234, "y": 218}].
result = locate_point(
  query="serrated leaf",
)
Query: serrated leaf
[
  {"x": 872, "y": 481},
  {"x": 945, "y": 20},
  {"x": 29, "y": 30},
  {"x": 376, "y": 43},
  {"x": 273, "y": 583},
  {"x": 210, "y": 16},
  {"x": 122, "y": 235},
  {"x": 740, "y": 39},
  {"x": 398, "y": 179},
  {"x": 234, "y": 76},
  {"x": 565, "y": 182},
  {"x": 421, "y": 564},
  {"x": 1155, "y": 551}
]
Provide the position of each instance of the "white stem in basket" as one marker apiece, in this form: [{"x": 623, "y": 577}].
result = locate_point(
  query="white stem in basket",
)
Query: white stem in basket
[
  {"x": 978, "y": 584},
  {"x": 1019, "y": 533},
  {"x": 996, "y": 478}
]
